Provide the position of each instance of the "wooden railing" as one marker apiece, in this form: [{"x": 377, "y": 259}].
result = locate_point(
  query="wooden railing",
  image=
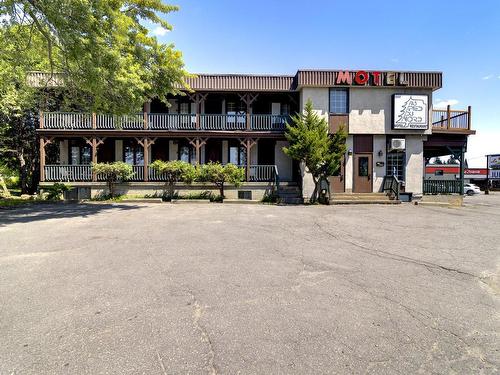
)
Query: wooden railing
[
  {"x": 162, "y": 121},
  {"x": 83, "y": 172},
  {"x": 68, "y": 173},
  {"x": 223, "y": 122},
  {"x": 451, "y": 119},
  {"x": 65, "y": 120},
  {"x": 442, "y": 186},
  {"x": 170, "y": 121},
  {"x": 268, "y": 122}
]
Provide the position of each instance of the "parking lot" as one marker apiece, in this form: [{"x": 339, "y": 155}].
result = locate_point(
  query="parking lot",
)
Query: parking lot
[{"x": 250, "y": 289}]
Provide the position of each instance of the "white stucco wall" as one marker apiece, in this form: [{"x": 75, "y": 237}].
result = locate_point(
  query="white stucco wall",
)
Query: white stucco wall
[
  {"x": 282, "y": 161},
  {"x": 348, "y": 169},
  {"x": 371, "y": 110},
  {"x": 118, "y": 150},
  {"x": 319, "y": 97},
  {"x": 64, "y": 152},
  {"x": 379, "y": 144},
  {"x": 414, "y": 163}
]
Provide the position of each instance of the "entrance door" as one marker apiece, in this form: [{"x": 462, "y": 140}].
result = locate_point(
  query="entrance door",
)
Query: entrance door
[
  {"x": 337, "y": 184},
  {"x": 362, "y": 173},
  {"x": 213, "y": 151},
  {"x": 265, "y": 152}
]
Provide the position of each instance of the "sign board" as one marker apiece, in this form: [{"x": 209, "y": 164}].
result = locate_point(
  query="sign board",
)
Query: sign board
[
  {"x": 410, "y": 112},
  {"x": 494, "y": 167}
]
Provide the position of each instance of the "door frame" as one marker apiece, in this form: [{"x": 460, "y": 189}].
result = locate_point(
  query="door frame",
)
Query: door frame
[{"x": 370, "y": 170}]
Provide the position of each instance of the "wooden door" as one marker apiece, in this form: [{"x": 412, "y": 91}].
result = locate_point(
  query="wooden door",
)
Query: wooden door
[
  {"x": 337, "y": 181},
  {"x": 213, "y": 151},
  {"x": 362, "y": 173}
]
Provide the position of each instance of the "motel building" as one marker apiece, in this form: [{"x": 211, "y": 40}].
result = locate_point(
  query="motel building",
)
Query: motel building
[{"x": 240, "y": 118}]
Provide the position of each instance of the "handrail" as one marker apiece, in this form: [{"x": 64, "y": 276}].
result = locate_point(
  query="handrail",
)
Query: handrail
[
  {"x": 451, "y": 119},
  {"x": 391, "y": 185},
  {"x": 163, "y": 121}
]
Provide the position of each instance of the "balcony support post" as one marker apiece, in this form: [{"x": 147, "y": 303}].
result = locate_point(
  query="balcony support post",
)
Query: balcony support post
[
  {"x": 146, "y": 144},
  {"x": 44, "y": 141},
  {"x": 248, "y": 143},
  {"x": 94, "y": 142},
  {"x": 448, "y": 116},
  {"x": 248, "y": 99},
  {"x": 197, "y": 143},
  {"x": 469, "y": 118},
  {"x": 197, "y": 99}
]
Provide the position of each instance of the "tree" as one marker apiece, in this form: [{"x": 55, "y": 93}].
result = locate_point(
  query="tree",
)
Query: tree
[
  {"x": 108, "y": 59},
  {"x": 175, "y": 171},
  {"x": 113, "y": 173},
  {"x": 220, "y": 174},
  {"x": 310, "y": 143},
  {"x": 105, "y": 55}
]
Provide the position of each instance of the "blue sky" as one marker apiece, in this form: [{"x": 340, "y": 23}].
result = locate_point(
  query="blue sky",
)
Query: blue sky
[{"x": 460, "y": 38}]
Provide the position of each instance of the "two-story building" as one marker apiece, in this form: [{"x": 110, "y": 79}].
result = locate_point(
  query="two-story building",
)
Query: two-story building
[{"x": 240, "y": 119}]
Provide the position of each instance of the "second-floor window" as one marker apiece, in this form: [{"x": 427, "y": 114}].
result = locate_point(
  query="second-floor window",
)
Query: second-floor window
[{"x": 339, "y": 101}]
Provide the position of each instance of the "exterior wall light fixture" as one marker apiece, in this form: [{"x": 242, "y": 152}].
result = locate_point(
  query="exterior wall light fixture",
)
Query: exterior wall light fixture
[
  {"x": 380, "y": 153},
  {"x": 349, "y": 152}
]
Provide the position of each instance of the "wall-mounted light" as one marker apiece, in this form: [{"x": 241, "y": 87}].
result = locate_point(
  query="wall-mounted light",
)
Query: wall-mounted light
[
  {"x": 380, "y": 153},
  {"x": 349, "y": 152}
]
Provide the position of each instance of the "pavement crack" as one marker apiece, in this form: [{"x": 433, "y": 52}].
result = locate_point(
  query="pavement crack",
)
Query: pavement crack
[
  {"x": 399, "y": 258},
  {"x": 205, "y": 337}
]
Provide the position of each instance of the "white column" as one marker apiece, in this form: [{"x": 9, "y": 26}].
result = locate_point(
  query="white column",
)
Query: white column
[
  {"x": 379, "y": 144},
  {"x": 414, "y": 164}
]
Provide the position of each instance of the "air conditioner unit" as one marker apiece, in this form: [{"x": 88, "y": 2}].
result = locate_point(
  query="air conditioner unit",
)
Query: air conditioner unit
[{"x": 398, "y": 144}]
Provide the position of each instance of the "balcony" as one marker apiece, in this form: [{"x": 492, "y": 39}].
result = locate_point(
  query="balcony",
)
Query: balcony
[
  {"x": 452, "y": 121},
  {"x": 164, "y": 122},
  {"x": 83, "y": 173}
]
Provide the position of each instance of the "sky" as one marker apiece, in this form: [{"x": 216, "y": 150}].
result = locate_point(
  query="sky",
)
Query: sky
[{"x": 459, "y": 38}]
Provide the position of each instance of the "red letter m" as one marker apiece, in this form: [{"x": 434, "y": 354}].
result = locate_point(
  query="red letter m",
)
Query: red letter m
[{"x": 343, "y": 78}]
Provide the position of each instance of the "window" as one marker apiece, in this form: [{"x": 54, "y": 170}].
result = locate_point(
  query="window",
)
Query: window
[
  {"x": 185, "y": 108},
  {"x": 363, "y": 166},
  {"x": 285, "y": 109},
  {"x": 438, "y": 172},
  {"x": 80, "y": 154},
  {"x": 237, "y": 155},
  {"x": 396, "y": 162},
  {"x": 133, "y": 153},
  {"x": 187, "y": 152},
  {"x": 339, "y": 101}
]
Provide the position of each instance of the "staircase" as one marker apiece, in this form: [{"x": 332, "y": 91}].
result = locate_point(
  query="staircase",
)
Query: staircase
[
  {"x": 289, "y": 193},
  {"x": 362, "y": 198}
]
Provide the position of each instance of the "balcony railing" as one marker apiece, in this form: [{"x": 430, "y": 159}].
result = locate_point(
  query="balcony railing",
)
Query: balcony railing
[
  {"x": 83, "y": 173},
  {"x": 163, "y": 121},
  {"x": 451, "y": 120},
  {"x": 442, "y": 186}
]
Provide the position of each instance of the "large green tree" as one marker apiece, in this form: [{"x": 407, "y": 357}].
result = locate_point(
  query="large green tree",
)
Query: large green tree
[
  {"x": 310, "y": 143},
  {"x": 104, "y": 52}
]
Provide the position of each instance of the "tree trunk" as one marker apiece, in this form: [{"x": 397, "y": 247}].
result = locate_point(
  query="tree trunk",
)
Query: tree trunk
[
  {"x": 3, "y": 185},
  {"x": 222, "y": 190},
  {"x": 314, "y": 197}
]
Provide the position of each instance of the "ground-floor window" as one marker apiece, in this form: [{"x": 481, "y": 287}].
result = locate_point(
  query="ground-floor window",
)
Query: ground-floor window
[
  {"x": 396, "y": 162},
  {"x": 237, "y": 154},
  {"x": 133, "y": 153},
  {"x": 187, "y": 152},
  {"x": 79, "y": 154}
]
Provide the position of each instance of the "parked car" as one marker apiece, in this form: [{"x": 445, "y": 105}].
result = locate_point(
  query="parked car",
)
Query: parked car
[{"x": 471, "y": 189}]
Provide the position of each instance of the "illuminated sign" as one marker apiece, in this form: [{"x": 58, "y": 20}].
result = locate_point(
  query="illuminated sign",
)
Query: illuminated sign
[
  {"x": 494, "y": 167},
  {"x": 410, "y": 112}
]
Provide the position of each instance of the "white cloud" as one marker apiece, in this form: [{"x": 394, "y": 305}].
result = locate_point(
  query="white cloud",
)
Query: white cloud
[
  {"x": 395, "y": 60},
  {"x": 440, "y": 103},
  {"x": 159, "y": 31},
  {"x": 487, "y": 77}
]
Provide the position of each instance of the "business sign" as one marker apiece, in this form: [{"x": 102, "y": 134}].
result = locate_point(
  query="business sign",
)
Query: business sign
[
  {"x": 366, "y": 78},
  {"x": 494, "y": 167},
  {"x": 410, "y": 112}
]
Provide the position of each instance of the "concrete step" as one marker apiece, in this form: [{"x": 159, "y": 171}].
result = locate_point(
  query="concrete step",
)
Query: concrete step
[
  {"x": 290, "y": 200},
  {"x": 360, "y": 196},
  {"x": 364, "y": 201}
]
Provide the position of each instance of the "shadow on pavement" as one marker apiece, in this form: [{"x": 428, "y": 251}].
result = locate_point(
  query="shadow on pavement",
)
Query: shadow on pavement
[{"x": 38, "y": 212}]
